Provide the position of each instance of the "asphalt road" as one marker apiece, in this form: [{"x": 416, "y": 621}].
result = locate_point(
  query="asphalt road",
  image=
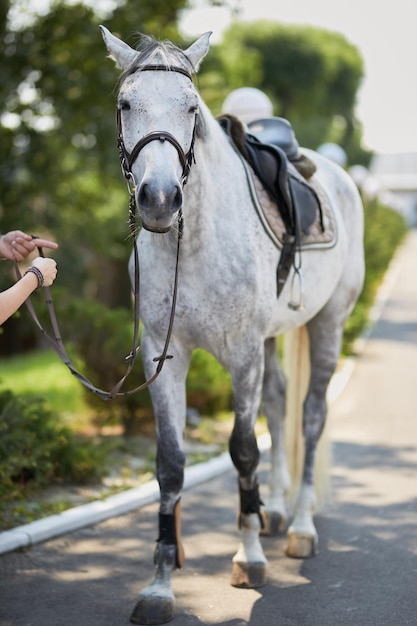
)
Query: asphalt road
[{"x": 366, "y": 569}]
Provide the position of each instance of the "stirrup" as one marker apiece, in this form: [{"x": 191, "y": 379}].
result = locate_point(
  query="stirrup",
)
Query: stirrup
[{"x": 296, "y": 302}]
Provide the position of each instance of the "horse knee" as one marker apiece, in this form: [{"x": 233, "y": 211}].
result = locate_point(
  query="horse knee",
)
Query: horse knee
[
  {"x": 244, "y": 452},
  {"x": 170, "y": 471}
]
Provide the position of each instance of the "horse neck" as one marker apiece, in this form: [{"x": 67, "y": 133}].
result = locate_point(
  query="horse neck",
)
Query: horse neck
[
  {"x": 214, "y": 147},
  {"x": 214, "y": 160}
]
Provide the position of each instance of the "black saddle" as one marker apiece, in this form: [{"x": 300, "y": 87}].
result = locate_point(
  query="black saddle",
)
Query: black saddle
[{"x": 270, "y": 147}]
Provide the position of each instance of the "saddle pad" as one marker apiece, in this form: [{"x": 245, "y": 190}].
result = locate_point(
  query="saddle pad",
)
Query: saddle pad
[{"x": 273, "y": 224}]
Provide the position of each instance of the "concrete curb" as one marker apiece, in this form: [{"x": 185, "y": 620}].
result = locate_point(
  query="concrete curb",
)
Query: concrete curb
[
  {"x": 119, "y": 504},
  {"x": 127, "y": 501}
]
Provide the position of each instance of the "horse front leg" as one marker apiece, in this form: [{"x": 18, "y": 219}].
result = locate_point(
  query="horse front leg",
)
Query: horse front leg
[
  {"x": 156, "y": 602},
  {"x": 249, "y": 562}
]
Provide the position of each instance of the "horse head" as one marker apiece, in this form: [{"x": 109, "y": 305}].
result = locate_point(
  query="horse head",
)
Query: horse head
[{"x": 157, "y": 113}]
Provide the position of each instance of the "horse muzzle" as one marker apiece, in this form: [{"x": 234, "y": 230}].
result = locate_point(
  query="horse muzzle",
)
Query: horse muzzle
[{"x": 158, "y": 205}]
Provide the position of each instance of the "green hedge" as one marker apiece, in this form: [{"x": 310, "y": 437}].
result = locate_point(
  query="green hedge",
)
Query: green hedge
[
  {"x": 385, "y": 229},
  {"x": 36, "y": 450}
]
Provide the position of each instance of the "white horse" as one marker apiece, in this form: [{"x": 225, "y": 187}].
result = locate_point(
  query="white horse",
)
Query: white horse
[{"x": 227, "y": 299}]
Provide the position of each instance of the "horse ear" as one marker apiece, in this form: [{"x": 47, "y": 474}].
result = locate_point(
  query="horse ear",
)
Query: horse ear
[
  {"x": 122, "y": 54},
  {"x": 198, "y": 50}
]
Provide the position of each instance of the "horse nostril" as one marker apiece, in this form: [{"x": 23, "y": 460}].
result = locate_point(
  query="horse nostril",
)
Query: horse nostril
[
  {"x": 143, "y": 198},
  {"x": 177, "y": 201}
]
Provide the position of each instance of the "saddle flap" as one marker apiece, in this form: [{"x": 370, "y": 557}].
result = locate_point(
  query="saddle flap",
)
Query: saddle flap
[
  {"x": 306, "y": 203},
  {"x": 296, "y": 200},
  {"x": 271, "y": 166}
]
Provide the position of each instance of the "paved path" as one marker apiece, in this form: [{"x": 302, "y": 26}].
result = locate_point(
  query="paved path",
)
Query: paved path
[{"x": 366, "y": 571}]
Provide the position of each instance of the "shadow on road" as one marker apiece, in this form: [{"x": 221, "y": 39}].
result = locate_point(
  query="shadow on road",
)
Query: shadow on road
[{"x": 365, "y": 572}]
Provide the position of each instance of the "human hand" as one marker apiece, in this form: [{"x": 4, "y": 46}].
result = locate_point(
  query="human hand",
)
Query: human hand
[
  {"x": 48, "y": 269},
  {"x": 17, "y": 245}
]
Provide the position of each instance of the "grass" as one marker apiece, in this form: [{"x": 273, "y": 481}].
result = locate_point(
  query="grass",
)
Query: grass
[{"x": 42, "y": 374}]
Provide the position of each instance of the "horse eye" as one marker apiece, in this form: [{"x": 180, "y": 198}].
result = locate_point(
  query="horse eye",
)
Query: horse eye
[
  {"x": 124, "y": 105},
  {"x": 194, "y": 108}
]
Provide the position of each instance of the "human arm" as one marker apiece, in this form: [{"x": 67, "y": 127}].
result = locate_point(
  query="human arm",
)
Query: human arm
[
  {"x": 11, "y": 299},
  {"x": 17, "y": 245}
]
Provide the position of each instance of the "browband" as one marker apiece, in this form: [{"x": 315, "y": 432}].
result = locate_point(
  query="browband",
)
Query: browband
[{"x": 165, "y": 68}]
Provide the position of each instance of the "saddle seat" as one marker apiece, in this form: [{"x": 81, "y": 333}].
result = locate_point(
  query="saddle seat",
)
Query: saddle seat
[{"x": 276, "y": 131}]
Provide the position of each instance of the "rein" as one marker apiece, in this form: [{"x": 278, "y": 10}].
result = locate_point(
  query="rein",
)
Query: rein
[
  {"x": 57, "y": 343},
  {"x": 127, "y": 160}
]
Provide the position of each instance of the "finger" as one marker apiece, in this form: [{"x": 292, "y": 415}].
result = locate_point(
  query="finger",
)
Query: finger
[
  {"x": 44, "y": 243},
  {"x": 17, "y": 234},
  {"x": 17, "y": 256},
  {"x": 23, "y": 246},
  {"x": 21, "y": 235}
]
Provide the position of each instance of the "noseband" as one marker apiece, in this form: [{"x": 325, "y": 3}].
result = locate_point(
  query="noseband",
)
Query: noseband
[{"x": 127, "y": 159}]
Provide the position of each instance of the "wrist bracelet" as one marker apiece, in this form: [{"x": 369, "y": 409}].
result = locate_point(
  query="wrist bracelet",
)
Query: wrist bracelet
[{"x": 34, "y": 270}]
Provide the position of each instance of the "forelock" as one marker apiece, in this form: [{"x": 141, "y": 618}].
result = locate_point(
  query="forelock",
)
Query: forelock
[{"x": 150, "y": 51}]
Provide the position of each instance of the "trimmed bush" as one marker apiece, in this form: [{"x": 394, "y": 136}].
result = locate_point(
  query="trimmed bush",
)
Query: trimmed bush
[
  {"x": 37, "y": 451},
  {"x": 385, "y": 229}
]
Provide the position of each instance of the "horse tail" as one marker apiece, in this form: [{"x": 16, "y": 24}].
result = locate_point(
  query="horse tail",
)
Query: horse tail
[{"x": 296, "y": 363}]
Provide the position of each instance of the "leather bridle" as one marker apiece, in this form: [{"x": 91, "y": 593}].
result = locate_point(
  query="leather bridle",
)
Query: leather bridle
[{"x": 127, "y": 161}]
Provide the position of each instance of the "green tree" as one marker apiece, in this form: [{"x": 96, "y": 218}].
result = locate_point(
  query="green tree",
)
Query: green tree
[
  {"x": 60, "y": 173},
  {"x": 312, "y": 76}
]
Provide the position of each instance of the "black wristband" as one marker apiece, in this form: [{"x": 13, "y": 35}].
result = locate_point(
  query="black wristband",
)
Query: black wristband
[{"x": 34, "y": 270}]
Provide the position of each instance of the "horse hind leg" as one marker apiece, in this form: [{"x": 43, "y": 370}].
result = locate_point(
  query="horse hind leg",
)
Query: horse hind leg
[
  {"x": 273, "y": 405},
  {"x": 325, "y": 335}
]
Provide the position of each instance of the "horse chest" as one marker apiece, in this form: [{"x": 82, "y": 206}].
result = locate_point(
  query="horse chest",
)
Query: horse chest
[{"x": 217, "y": 295}]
